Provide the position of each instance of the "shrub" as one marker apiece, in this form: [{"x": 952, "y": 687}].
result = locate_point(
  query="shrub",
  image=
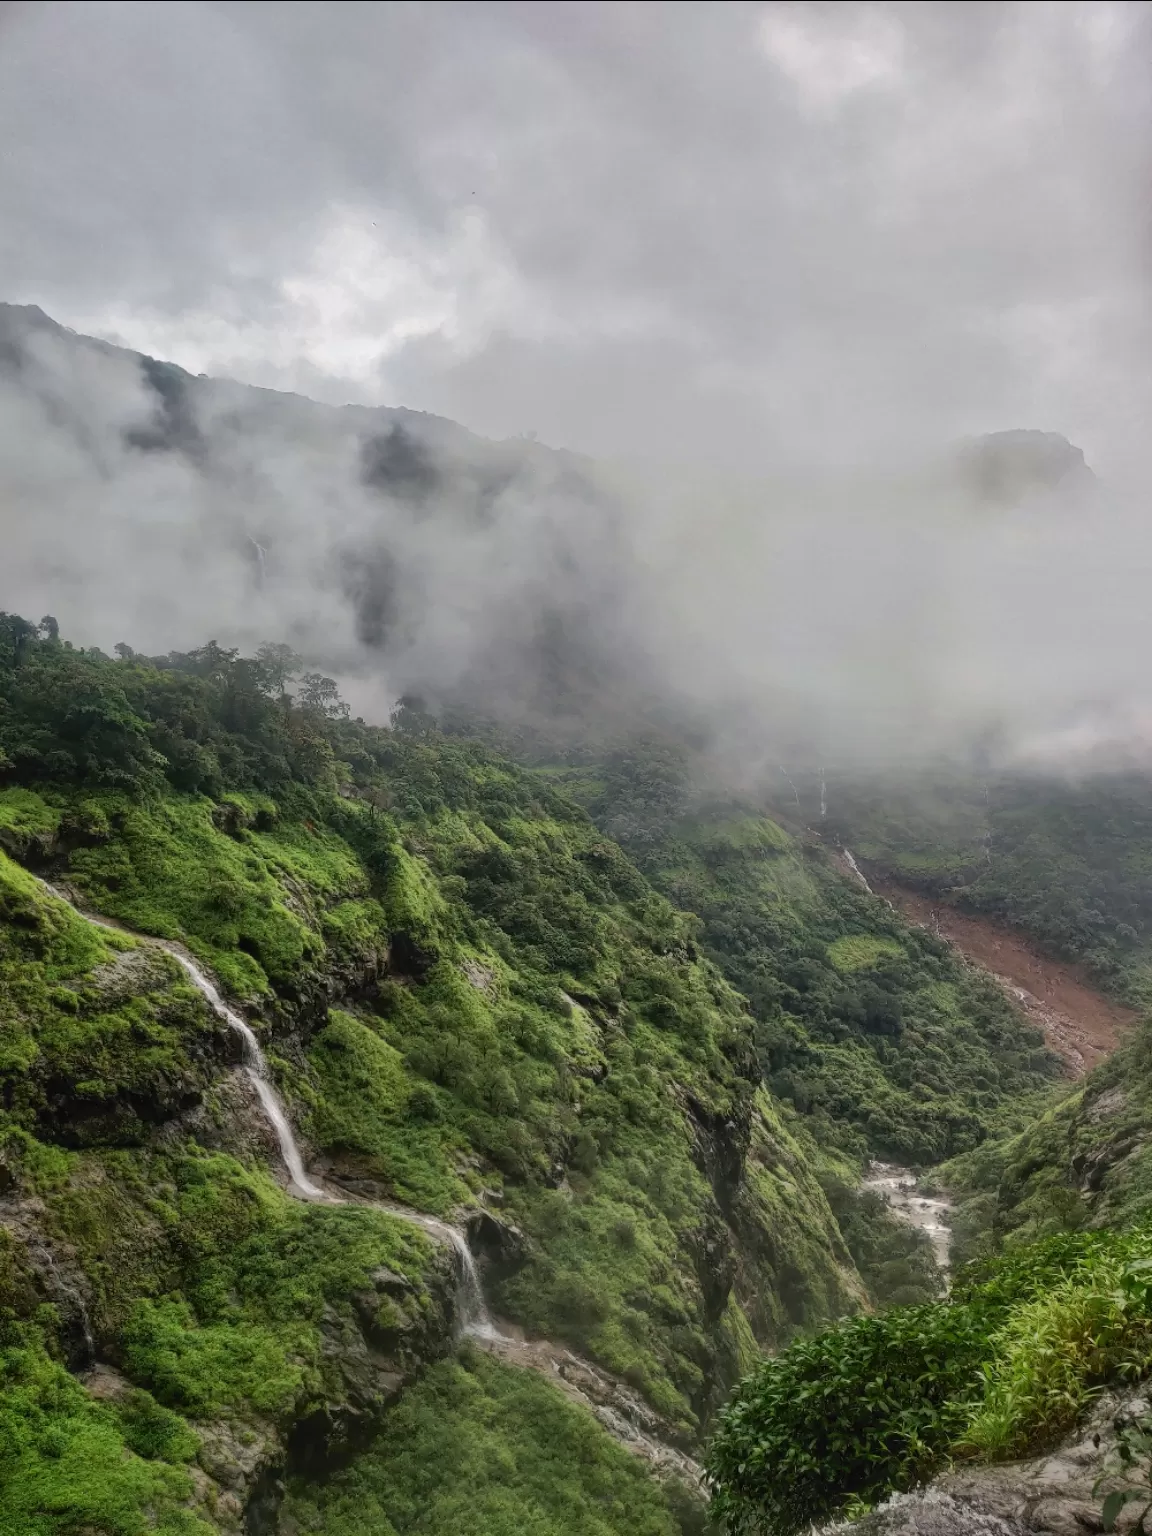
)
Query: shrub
[
  {"x": 865, "y": 1408},
  {"x": 1055, "y": 1351},
  {"x": 875, "y": 1405}
]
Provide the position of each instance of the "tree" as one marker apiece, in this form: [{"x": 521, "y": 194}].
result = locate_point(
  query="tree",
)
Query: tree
[
  {"x": 278, "y": 664},
  {"x": 50, "y": 629},
  {"x": 321, "y": 695}
]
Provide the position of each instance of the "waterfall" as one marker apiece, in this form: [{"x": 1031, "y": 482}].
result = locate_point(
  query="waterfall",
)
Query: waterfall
[
  {"x": 630, "y": 1422},
  {"x": 260, "y": 552},
  {"x": 900, "y": 1187},
  {"x": 254, "y": 1061},
  {"x": 795, "y": 791},
  {"x": 473, "y": 1311},
  {"x": 64, "y": 1288},
  {"x": 474, "y": 1317},
  {"x": 855, "y": 868},
  {"x": 257, "y": 1069}
]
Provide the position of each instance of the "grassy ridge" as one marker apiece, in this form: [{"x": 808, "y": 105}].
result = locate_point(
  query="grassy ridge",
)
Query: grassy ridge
[
  {"x": 481, "y": 1447},
  {"x": 884, "y": 1042}
]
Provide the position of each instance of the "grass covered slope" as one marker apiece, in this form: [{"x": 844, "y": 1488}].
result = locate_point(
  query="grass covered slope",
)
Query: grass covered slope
[
  {"x": 227, "y": 1312},
  {"x": 471, "y": 1000},
  {"x": 872, "y": 1029},
  {"x": 479, "y": 1447},
  {"x": 524, "y": 1022},
  {"x": 100, "y": 1038},
  {"x": 1086, "y": 1162}
]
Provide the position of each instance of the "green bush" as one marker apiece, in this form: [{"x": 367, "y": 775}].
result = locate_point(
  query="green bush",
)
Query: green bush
[
  {"x": 70, "y": 1464},
  {"x": 877, "y": 1404},
  {"x": 860, "y": 1410},
  {"x": 1056, "y": 1350}
]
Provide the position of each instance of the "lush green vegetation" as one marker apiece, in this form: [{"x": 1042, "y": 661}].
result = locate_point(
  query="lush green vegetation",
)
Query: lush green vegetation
[
  {"x": 68, "y": 1463},
  {"x": 876, "y": 1404},
  {"x": 1087, "y": 1161},
  {"x": 872, "y": 1029},
  {"x": 481, "y": 1447},
  {"x": 468, "y": 994},
  {"x": 99, "y": 1039},
  {"x": 653, "y": 1038}
]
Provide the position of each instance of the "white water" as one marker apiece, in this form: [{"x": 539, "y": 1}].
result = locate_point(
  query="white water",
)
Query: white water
[
  {"x": 792, "y": 787},
  {"x": 901, "y": 1188},
  {"x": 475, "y": 1320},
  {"x": 855, "y": 868},
  {"x": 473, "y": 1310},
  {"x": 257, "y": 1068},
  {"x": 254, "y": 1061},
  {"x": 473, "y": 1316}
]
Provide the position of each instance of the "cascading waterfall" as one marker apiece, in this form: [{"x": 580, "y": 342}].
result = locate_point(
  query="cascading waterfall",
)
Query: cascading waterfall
[
  {"x": 257, "y": 1069},
  {"x": 472, "y": 1308},
  {"x": 254, "y": 1061},
  {"x": 629, "y": 1422},
  {"x": 475, "y": 1320},
  {"x": 855, "y": 868},
  {"x": 900, "y": 1187}
]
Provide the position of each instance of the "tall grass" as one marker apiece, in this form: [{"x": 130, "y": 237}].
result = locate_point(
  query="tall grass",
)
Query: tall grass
[{"x": 1055, "y": 1352}]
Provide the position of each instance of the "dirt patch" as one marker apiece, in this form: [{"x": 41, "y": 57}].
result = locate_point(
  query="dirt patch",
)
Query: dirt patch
[{"x": 1079, "y": 1024}]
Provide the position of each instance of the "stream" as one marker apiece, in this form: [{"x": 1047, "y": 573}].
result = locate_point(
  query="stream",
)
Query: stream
[
  {"x": 621, "y": 1412},
  {"x": 900, "y": 1187}
]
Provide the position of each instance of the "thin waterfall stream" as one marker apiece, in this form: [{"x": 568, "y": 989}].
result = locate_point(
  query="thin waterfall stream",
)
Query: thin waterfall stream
[
  {"x": 254, "y": 1061},
  {"x": 624, "y": 1415}
]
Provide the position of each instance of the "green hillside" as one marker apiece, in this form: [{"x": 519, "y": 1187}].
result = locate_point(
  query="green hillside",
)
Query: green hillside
[{"x": 638, "y": 1053}]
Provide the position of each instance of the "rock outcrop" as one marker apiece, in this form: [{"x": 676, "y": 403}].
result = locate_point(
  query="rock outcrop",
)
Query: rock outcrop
[{"x": 1060, "y": 1493}]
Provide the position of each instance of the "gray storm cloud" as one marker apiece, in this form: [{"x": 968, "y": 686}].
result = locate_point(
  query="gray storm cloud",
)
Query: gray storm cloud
[
  {"x": 767, "y": 264},
  {"x": 994, "y": 593},
  {"x": 742, "y": 234}
]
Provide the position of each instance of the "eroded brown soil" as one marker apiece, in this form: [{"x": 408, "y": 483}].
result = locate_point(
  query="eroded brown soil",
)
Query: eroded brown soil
[{"x": 1079, "y": 1023}]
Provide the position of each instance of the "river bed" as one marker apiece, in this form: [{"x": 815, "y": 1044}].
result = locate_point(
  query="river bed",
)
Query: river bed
[{"x": 929, "y": 1213}]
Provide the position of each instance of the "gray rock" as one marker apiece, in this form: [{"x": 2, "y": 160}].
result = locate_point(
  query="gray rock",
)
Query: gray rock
[{"x": 1058, "y": 1494}]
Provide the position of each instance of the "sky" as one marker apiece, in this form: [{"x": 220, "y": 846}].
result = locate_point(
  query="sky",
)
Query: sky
[{"x": 732, "y": 236}]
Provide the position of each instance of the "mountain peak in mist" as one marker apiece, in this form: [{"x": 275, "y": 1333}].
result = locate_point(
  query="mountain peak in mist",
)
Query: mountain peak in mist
[{"x": 1005, "y": 466}]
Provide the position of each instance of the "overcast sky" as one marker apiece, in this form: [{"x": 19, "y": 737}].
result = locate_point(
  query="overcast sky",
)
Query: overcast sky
[{"x": 733, "y": 233}]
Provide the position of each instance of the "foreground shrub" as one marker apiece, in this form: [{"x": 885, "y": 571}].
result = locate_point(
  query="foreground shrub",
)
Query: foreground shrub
[
  {"x": 877, "y": 1404},
  {"x": 1055, "y": 1352},
  {"x": 868, "y": 1407}
]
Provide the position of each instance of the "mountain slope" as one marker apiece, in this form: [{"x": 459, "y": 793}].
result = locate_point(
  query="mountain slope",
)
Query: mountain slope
[
  {"x": 472, "y": 1003},
  {"x": 1069, "y": 861}
]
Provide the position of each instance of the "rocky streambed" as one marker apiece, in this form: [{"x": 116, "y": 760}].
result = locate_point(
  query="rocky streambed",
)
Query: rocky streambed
[{"x": 901, "y": 1188}]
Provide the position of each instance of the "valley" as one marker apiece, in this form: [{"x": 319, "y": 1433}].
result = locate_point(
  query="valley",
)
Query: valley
[{"x": 504, "y": 1116}]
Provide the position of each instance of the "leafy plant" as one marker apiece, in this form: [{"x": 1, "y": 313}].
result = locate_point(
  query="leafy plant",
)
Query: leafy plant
[
  {"x": 1130, "y": 1464},
  {"x": 865, "y": 1408},
  {"x": 1056, "y": 1351},
  {"x": 873, "y": 1406}
]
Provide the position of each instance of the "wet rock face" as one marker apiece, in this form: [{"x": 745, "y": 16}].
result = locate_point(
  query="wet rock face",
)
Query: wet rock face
[{"x": 500, "y": 1247}]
